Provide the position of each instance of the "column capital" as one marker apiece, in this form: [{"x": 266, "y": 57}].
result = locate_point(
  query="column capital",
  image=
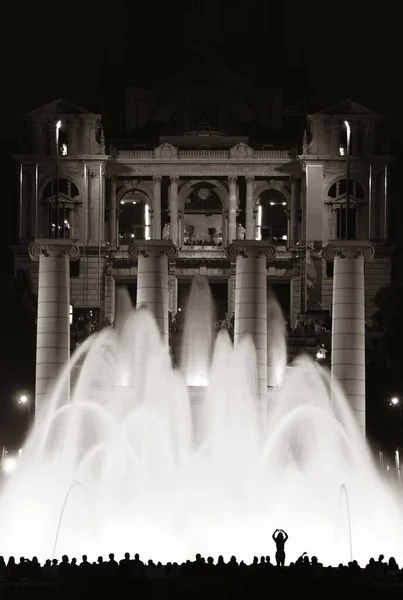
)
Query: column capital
[
  {"x": 174, "y": 178},
  {"x": 157, "y": 178},
  {"x": 232, "y": 179},
  {"x": 251, "y": 249},
  {"x": 250, "y": 179},
  {"x": 155, "y": 248},
  {"x": 348, "y": 249},
  {"x": 54, "y": 247}
]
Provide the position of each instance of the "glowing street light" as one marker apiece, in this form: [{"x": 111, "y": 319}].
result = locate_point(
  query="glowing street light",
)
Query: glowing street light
[
  {"x": 396, "y": 401},
  {"x": 9, "y": 464},
  {"x": 24, "y": 400}
]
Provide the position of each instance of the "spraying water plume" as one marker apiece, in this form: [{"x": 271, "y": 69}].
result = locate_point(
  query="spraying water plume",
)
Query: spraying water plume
[{"x": 118, "y": 466}]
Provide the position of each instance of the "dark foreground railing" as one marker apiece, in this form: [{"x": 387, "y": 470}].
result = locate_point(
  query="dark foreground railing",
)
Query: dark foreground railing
[{"x": 204, "y": 590}]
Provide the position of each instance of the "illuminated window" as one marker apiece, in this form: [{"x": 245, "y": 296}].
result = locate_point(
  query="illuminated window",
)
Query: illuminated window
[
  {"x": 134, "y": 217},
  {"x": 272, "y": 221}
]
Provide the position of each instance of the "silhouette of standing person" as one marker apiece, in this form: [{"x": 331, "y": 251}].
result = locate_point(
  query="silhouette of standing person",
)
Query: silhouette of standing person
[{"x": 280, "y": 540}]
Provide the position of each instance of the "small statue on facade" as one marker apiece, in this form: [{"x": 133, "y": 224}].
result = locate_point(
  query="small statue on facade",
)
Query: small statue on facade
[
  {"x": 240, "y": 232},
  {"x": 166, "y": 233}
]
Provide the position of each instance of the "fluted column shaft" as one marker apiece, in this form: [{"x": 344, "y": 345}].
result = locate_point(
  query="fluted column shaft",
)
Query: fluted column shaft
[
  {"x": 348, "y": 321},
  {"x": 250, "y": 186},
  {"x": 251, "y": 301},
  {"x": 173, "y": 200},
  {"x": 156, "y": 233},
  {"x": 53, "y": 318},
  {"x": 152, "y": 279},
  {"x": 152, "y": 289},
  {"x": 232, "y": 202}
]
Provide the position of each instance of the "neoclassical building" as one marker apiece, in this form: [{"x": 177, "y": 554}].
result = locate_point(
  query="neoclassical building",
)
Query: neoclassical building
[{"x": 198, "y": 179}]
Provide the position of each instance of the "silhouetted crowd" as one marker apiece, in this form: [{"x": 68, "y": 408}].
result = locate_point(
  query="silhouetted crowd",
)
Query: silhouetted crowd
[{"x": 131, "y": 569}]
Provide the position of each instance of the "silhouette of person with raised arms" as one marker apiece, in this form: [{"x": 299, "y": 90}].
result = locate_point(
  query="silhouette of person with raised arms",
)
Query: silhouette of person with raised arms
[{"x": 280, "y": 537}]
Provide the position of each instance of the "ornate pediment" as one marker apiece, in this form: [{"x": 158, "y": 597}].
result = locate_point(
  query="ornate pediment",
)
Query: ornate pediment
[
  {"x": 166, "y": 151},
  {"x": 347, "y": 107},
  {"x": 60, "y": 107},
  {"x": 241, "y": 151}
]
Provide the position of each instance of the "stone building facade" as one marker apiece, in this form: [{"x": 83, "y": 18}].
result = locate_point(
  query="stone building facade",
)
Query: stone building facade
[{"x": 210, "y": 195}]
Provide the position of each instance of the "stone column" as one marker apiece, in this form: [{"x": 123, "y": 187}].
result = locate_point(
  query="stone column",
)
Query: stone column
[
  {"x": 156, "y": 230},
  {"x": 152, "y": 278},
  {"x": 232, "y": 205},
  {"x": 53, "y": 320},
  {"x": 173, "y": 203},
  {"x": 112, "y": 214},
  {"x": 293, "y": 213},
  {"x": 348, "y": 320},
  {"x": 251, "y": 300},
  {"x": 250, "y": 187},
  {"x": 224, "y": 228},
  {"x": 181, "y": 226}
]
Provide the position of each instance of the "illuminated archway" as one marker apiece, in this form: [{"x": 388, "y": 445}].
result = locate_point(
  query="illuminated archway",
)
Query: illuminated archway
[
  {"x": 134, "y": 217},
  {"x": 272, "y": 220},
  {"x": 68, "y": 195},
  {"x": 202, "y": 214}
]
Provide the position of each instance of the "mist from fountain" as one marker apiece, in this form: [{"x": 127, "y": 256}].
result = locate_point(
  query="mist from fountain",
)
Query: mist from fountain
[
  {"x": 197, "y": 340},
  {"x": 276, "y": 341},
  {"x": 117, "y": 468}
]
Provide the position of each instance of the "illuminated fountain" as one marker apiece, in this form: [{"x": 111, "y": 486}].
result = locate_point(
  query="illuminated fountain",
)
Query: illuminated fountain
[{"x": 118, "y": 469}]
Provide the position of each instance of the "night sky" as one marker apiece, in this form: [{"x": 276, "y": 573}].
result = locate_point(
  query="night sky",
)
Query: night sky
[{"x": 52, "y": 49}]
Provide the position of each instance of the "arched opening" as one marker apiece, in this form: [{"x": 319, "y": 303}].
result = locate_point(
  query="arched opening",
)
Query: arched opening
[
  {"x": 272, "y": 221},
  {"x": 134, "y": 217},
  {"x": 337, "y": 199},
  {"x": 67, "y": 198},
  {"x": 202, "y": 224}
]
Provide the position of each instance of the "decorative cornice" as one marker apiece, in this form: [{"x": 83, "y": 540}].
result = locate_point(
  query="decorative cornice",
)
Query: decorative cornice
[
  {"x": 155, "y": 248},
  {"x": 251, "y": 249},
  {"x": 348, "y": 249},
  {"x": 56, "y": 247}
]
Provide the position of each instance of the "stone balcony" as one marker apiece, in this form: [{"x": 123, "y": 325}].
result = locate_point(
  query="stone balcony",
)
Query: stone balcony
[
  {"x": 206, "y": 253},
  {"x": 171, "y": 152}
]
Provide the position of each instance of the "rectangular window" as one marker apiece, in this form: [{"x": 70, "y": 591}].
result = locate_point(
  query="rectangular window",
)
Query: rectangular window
[
  {"x": 74, "y": 268},
  {"x": 341, "y": 224}
]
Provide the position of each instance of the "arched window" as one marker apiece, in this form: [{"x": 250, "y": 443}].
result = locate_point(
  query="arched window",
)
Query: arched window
[
  {"x": 67, "y": 197},
  {"x": 272, "y": 222},
  {"x": 134, "y": 217},
  {"x": 337, "y": 198},
  {"x": 203, "y": 216}
]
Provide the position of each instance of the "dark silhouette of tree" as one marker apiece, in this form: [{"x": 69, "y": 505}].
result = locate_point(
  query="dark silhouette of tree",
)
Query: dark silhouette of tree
[{"x": 388, "y": 319}]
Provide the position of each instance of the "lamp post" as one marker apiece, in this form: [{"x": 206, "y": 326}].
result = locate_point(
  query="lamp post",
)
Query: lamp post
[
  {"x": 348, "y": 131},
  {"x": 395, "y": 401},
  {"x": 57, "y": 130},
  {"x": 23, "y": 400}
]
